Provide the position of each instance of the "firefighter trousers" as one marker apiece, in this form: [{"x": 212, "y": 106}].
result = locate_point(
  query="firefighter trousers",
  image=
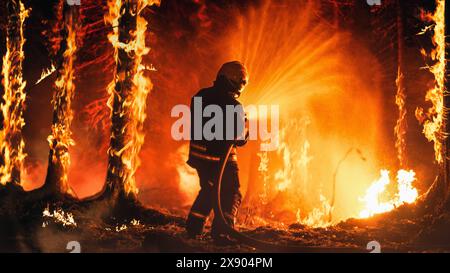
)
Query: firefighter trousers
[{"x": 206, "y": 199}]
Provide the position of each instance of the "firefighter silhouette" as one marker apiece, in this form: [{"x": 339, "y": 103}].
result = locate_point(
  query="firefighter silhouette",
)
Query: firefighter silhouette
[{"x": 204, "y": 155}]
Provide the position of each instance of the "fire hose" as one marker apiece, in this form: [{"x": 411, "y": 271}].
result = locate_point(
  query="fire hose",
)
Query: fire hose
[{"x": 259, "y": 244}]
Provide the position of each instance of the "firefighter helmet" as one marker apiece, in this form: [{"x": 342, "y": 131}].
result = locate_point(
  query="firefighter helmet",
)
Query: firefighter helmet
[{"x": 236, "y": 74}]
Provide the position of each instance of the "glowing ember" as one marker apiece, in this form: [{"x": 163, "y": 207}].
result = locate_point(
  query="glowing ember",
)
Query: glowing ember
[
  {"x": 434, "y": 118},
  {"x": 135, "y": 222},
  {"x": 121, "y": 227},
  {"x": 58, "y": 216},
  {"x": 11, "y": 142},
  {"x": 375, "y": 193}
]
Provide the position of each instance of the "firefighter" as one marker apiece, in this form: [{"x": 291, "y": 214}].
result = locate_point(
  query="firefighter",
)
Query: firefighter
[{"x": 204, "y": 155}]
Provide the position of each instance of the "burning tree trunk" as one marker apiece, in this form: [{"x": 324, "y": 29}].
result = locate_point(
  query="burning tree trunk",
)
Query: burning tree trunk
[
  {"x": 436, "y": 128},
  {"x": 401, "y": 126},
  {"x": 447, "y": 101},
  {"x": 60, "y": 139},
  {"x": 11, "y": 140},
  {"x": 128, "y": 92}
]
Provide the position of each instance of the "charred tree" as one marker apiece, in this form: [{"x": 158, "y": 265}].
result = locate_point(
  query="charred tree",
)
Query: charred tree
[
  {"x": 400, "y": 97},
  {"x": 447, "y": 106},
  {"x": 437, "y": 198},
  {"x": 436, "y": 126},
  {"x": 128, "y": 92},
  {"x": 119, "y": 174},
  {"x": 12, "y": 107},
  {"x": 60, "y": 138}
]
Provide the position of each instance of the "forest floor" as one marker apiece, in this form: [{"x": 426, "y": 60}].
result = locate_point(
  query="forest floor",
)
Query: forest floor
[{"x": 397, "y": 231}]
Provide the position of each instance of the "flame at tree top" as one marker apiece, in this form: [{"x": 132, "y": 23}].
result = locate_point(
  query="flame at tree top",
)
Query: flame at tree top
[{"x": 11, "y": 141}]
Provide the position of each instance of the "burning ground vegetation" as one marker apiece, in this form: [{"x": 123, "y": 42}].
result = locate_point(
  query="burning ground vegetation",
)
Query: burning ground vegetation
[{"x": 88, "y": 159}]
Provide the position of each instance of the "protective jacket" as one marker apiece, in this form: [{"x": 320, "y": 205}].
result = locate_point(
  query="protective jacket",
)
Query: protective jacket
[{"x": 203, "y": 151}]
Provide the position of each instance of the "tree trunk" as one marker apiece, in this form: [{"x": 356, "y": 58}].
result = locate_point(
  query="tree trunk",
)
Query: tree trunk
[
  {"x": 400, "y": 128},
  {"x": 60, "y": 139},
  {"x": 446, "y": 143},
  {"x": 119, "y": 173},
  {"x": 11, "y": 140},
  {"x": 438, "y": 196},
  {"x": 128, "y": 94}
]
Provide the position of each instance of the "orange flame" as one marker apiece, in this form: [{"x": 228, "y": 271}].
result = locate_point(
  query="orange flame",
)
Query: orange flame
[
  {"x": 11, "y": 141},
  {"x": 434, "y": 118},
  {"x": 318, "y": 217},
  {"x": 135, "y": 104},
  {"x": 406, "y": 193},
  {"x": 60, "y": 140},
  {"x": 400, "y": 127}
]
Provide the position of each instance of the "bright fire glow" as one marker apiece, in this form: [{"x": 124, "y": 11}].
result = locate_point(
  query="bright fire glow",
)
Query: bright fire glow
[
  {"x": 310, "y": 72},
  {"x": 318, "y": 217},
  {"x": 373, "y": 199},
  {"x": 11, "y": 141}
]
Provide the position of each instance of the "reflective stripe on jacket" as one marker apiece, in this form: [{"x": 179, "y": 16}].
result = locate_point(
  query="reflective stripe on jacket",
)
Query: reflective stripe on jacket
[{"x": 200, "y": 152}]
